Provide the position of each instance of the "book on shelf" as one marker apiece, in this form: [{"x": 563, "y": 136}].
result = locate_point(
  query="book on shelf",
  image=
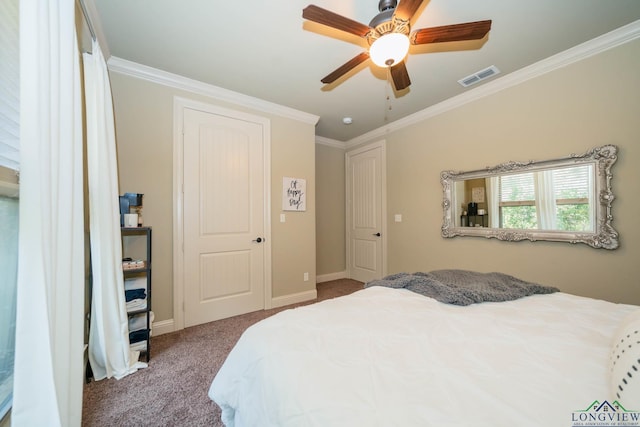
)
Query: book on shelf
[{"x": 133, "y": 264}]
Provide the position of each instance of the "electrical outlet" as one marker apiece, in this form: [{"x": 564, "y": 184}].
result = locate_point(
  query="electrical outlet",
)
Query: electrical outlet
[{"x": 306, "y": 277}]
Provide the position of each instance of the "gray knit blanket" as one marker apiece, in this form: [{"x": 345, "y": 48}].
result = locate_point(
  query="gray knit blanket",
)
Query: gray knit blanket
[{"x": 463, "y": 287}]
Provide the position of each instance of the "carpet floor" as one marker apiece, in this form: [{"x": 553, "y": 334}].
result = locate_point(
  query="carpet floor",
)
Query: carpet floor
[{"x": 172, "y": 391}]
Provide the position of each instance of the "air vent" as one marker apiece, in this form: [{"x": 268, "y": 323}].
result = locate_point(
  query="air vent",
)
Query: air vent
[{"x": 479, "y": 76}]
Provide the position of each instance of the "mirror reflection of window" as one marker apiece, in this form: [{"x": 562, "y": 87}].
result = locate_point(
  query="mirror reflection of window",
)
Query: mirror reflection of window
[{"x": 558, "y": 199}]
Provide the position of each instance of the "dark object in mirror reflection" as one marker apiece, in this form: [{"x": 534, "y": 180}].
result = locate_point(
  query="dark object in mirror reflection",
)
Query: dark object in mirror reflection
[{"x": 472, "y": 208}]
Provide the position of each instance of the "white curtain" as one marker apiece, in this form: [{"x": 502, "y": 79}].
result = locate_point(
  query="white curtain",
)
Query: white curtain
[
  {"x": 50, "y": 297},
  {"x": 545, "y": 200},
  {"x": 493, "y": 200},
  {"x": 109, "y": 351},
  {"x": 593, "y": 199}
]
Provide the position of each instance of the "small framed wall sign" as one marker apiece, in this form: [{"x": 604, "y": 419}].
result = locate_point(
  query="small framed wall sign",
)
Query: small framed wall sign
[
  {"x": 294, "y": 194},
  {"x": 477, "y": 194}
]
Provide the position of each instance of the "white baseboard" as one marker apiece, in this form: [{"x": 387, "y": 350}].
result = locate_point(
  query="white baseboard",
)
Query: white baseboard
[
  {"x": 163, "y": 327},
  {"x": 294, "y": 298},
  {"x": 167, "y": 326},
  {"x": 331, "y": 276}
]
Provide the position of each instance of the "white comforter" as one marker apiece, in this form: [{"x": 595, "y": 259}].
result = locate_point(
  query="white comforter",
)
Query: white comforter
[{"x": 390, "y": 357}]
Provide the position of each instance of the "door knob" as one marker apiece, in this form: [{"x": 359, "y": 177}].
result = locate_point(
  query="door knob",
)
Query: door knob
[
  {"x": 376, "y": 234},
  {"x": 258, "y": 240}
]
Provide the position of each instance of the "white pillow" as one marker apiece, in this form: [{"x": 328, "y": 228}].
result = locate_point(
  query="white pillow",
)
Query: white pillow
[{"x": 625, "y": 363}]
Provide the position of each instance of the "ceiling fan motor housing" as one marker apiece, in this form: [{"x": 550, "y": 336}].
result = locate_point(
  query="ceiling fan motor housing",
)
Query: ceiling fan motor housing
[
  {"x": 387, "y": 4},
  {"x": 385, "y": 22},
  {"x": 382, "y": 19}
]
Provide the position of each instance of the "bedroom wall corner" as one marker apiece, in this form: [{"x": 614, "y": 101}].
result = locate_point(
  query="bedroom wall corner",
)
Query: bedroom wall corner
[
  {"x": 330, "y": 212},
  {"x": 294, "y": 240}
]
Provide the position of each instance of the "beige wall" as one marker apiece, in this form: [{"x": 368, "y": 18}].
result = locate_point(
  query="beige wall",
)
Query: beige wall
[
  {"x": 294, "y": 241},
  {"x": 144, "y": 132},
  {"x": 570, "y": 110},
  {"x": 330, "y": 210}
]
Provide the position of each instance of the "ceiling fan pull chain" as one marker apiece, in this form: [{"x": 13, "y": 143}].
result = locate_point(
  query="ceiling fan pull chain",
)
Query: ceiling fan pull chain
[{"x": 387, "y": 94}]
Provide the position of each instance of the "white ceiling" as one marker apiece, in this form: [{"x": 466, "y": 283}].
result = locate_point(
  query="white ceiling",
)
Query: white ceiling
[{"x": 266, "y": 50}]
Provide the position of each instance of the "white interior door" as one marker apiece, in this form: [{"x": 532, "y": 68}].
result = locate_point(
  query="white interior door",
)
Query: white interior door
[
  {"x": 224, "y": 216},
  {"x": 365, "y": 213}
]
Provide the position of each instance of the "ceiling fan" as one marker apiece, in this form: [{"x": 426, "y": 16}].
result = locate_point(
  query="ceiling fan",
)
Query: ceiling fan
[{"x": 389, "y": 36}]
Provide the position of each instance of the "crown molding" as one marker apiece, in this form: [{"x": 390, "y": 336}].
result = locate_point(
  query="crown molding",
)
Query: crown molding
[
  {"x": 330, "y": 142},
  {"x": 133, "y": 69},
  {"x": 577, "y": 53}
]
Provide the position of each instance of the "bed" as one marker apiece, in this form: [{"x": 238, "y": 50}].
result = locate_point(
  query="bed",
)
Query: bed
[{"x": 390, "y": 356}]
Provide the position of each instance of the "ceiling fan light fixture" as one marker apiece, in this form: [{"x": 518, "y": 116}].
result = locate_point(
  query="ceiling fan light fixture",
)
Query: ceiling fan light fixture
[{"x": 389, "y": 49}]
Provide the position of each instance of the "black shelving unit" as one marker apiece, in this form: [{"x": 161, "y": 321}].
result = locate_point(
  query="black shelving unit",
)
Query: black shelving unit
[
  {"x": 472, "y": 220},
  {"x": 145, "y": 271}
]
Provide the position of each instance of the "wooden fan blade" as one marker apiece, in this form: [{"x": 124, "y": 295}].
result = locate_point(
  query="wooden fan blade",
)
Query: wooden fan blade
[
  {"x": 333, "y": 20},
  {"x": 344, "y": 69},
  {"x": 400, "y": 76},
  {"x": 451, "y": 33},
  {"x": 407, "y": 8}
]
